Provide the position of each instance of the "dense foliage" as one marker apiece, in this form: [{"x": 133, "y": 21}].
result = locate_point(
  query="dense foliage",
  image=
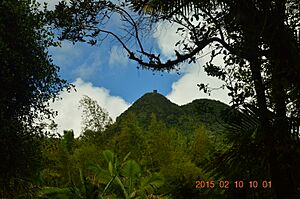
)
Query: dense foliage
[
  {"x": 156, "y": 149},
  {"x": 258, "y": 41},
  {"x": 28, "y": 81},
  {"x": 94, "y": 117},
  {"x": 152, "y": 160}
]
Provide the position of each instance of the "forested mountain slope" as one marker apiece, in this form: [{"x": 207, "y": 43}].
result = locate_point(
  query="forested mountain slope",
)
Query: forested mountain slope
[{"x": 201, "y": 111}]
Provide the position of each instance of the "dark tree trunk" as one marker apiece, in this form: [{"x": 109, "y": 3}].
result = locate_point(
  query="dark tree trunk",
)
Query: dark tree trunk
[
  {"x": 276, "y": 133},
  {"x": 281, "y": 161}
]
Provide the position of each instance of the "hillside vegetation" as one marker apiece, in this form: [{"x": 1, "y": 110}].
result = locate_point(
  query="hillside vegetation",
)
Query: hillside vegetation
[
  {"x": 155, "y": 149},
  {"x": 201, "y": 111}
]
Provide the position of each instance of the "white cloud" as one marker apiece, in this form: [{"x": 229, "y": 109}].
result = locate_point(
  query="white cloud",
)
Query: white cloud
[
  {"x": 166, "y": 37},
  {"x": 117, "y": 56},
  {"x": 185, "y": 89},
  {"x": 69, "y": 115}
]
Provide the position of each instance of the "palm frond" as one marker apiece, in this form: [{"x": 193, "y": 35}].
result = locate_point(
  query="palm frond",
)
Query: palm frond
[
  {"x": 131, "y": 169},
  {"x": 109, "y": 156},
  {"x": 169, "y": 8},
  {"x": 244, "y": 133},
  {"x": 101, "y": 176},
  {"x": 150, "y": 183}
]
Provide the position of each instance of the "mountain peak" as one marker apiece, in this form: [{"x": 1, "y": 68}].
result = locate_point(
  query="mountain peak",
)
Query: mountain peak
[
  {"x": 153, "y": 103},
  {"x": 201, "y": 110},
  {"x": 152, "y": 96}
]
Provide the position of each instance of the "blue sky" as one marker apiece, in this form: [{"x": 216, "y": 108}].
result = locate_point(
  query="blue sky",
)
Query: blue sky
[
  {"x": 105, "y": 74},
  {"x": 110, "y": 68}
]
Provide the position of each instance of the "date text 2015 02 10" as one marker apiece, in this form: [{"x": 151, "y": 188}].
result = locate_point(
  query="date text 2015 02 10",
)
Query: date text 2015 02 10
[{"x": 238, "y": 184}]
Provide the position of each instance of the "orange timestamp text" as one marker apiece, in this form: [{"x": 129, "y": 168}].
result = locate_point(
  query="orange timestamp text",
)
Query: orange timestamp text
[{"x": 238, "y": 184}]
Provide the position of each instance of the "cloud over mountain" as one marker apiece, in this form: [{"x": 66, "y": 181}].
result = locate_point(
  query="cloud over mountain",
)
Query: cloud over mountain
[
  {"x": 69, "y": 114},
  {"x": 185, "y": 89}
]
